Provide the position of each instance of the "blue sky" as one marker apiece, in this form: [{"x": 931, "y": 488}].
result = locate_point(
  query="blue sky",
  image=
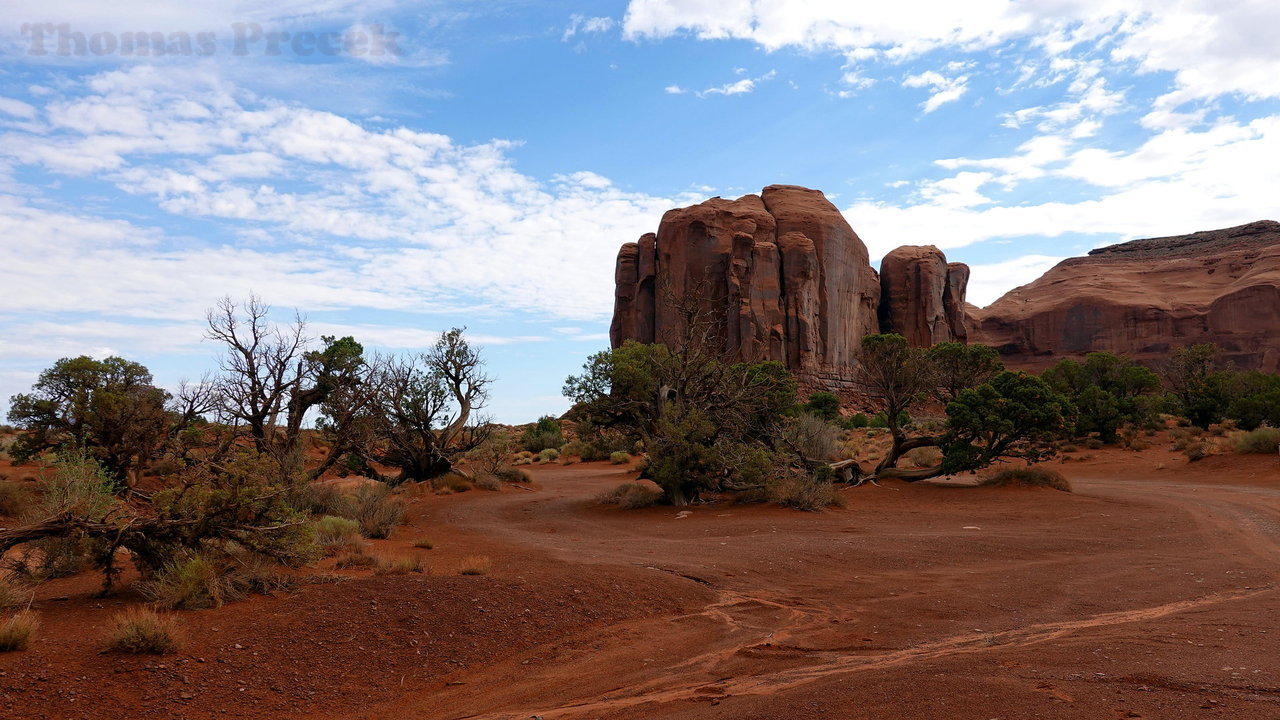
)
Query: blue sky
[{"x": 486, "y": 175}]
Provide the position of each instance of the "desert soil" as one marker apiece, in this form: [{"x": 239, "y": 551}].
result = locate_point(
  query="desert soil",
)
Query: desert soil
[{"x": 1149, "y": 592}]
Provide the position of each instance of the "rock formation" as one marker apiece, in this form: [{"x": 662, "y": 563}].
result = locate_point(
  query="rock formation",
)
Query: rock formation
[
  {"x": 1147, "y": 297},
  {"x": 921, "y": 296},
  {"x": 781, "y": 274}
]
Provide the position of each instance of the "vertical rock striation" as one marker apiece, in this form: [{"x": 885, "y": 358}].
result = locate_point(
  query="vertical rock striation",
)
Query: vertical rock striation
[{"x": 922, "y": 296}]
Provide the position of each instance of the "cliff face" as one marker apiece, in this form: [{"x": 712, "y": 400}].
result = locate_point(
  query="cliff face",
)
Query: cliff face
[
  {"x": 922, "y": 296},
  {"x": 1147, "y": 297},
  {"x": 783, "y": 277}
]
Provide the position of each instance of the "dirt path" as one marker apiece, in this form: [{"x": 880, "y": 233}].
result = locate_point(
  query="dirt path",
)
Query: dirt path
[{"x": 1143, "y": 597}]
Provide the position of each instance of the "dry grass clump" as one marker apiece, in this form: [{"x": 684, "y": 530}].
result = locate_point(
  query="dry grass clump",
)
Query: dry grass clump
[
  {"x": 202, "y": 581},
  {"x": 805, "y": 493},
  {"x": 356, "y": 559},
  {"x": 15, "y": 499},
  {"x": 549, "y": 455},
  {"x": 377, "y": 511},
  {"x": 452, "y": 483},
  {"x": 322, "y": 498},
  {"x": 619, "y": 458},
  {"x": 630, "y": 496},
  {"x": 12, "y": 594},
  {"x": 1197, "y": 450},
  {"x": 335, "y": 534},
  {"x": 924, "y": 457},
  {"x": 513, "y": 475},
  {"x": 475, "y": 565},
  {"x": 1028, "y": 477},
  {"x": 17, "y": 629},
  {"x": 141, "y": 630},
  {"x": 423, "y": 544},
  {"x": 399, "y": 565},
  {"x": 1263, "y": 441}
]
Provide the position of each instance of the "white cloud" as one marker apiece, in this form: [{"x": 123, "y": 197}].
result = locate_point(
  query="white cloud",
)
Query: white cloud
[
  {"x": 737, "y": 87},
  {"x": 944, "y": 89},
  {"x": 987, "y": 282},
  {"x": 1212, "y": 48},
  {"x": 674, "y": 90},
  {"x": 327, "y": 213},
  {"x": 583, "y": 25}
]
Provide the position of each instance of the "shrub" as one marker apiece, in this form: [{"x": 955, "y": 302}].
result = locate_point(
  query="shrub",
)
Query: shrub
[
  {"x": 575, "y": 448},
  {"x": 1093, "y": 444},
  {"x": 321, "y": 498},
  {"x": 545, "y": 433},
  {"x": 141, "y": 630},
  {"x": 336, "y": 533},
  {"x": 12, "y": 594},
  {"x": 423, "y": 544},
  {"x": 631, "y": 496},
  {"x": 1263, "y": 441},
  {"x": 824, "y": 405},
  {"x": 475, "y": 565},
  {"x": 809, "y": 493},
  {"x": 924, "y": 457},
  {"x": 522, "y": 461},
  {"x": 856, "y": 421},
  {"x": 358, "y": 558},
  {"x": 453, "y": 482},
  {"x": 619, "y": 458},
  {"x": 1029, "y": 477},
  {"x": 1196, "y": 451},
  {"x": 17, "y": 629},
  {"x": 510, "y": 474},
  {"x": 376, "y": 510},
  {"x": 58, "y": 557},
  {"x": 549, "y": 455},
  {"x": 399, "y": 565},
  {"x": 811, "y": 437},
  {"x": 488, "y": 481},
  {"x": 191, "y": 583},
  {"x": 15, "y": 499}
]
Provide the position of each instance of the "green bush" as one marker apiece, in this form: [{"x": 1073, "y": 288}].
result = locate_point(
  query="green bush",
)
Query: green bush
[
  {"x": 337, "y": 533},
  {"x": 619, "y": 458},
  {"x": 857, "y": 421},
  {"x": 545, "y": 433},
  {"x": 1029, "y": 477},
  {"x": 1263, "y": 441},
  {"x": 548, "y": 455},
  {"x": 192, "y": 583},
  {"x": 824, "y": 405}
]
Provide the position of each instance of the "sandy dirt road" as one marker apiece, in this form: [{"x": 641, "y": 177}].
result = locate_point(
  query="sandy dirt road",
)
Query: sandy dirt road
[{"x": 1134, "y": 597}]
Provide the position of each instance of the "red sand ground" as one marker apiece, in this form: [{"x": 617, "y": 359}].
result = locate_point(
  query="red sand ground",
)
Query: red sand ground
[{"x": 1147, "y": 593}]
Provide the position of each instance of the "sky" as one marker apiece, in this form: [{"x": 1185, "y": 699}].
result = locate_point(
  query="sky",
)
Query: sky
[{"x": 390, "y": 169}]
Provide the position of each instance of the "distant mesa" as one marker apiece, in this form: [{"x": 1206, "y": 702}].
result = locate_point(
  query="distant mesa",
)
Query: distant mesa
[
  {"x": 1147, "y": 297},
  {"x": 783, "y": 277}
]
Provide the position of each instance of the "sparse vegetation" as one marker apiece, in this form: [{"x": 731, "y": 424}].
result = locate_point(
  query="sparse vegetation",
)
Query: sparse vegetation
[
  {"x": 619, "y": 458},
  {"x": 15, "y": 499},
  {"x": 631, "y": 496},
  {"x": 334, "y": 534},
  {"x": 1037, "y": 477},
  {"x": 810, "y": 493},
  {"x": 399, "y": 565},
  {"x": 377, "y": 510},
  {"x": 140, "y": 630},
  {"x": 12, "y": 594},
  {"x": 1263, "y": 441},
  {"x": 452, "y": 482},
  {"x": 475, "y": 565},
  {"x": 548, "y": 455},
  {"x": 545, "y": 433},
  {"x": 423, "y": 544},
  {"x": 17, "y": 629}
]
